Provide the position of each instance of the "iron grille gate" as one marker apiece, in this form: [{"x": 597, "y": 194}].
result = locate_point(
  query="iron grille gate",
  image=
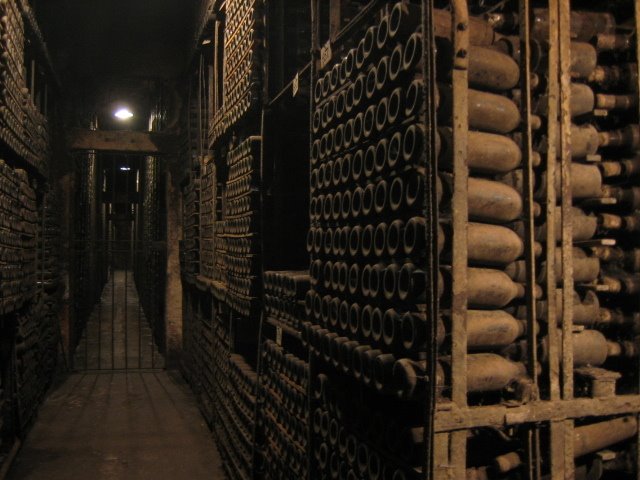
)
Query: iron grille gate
[{"x": 118, "y": 263}]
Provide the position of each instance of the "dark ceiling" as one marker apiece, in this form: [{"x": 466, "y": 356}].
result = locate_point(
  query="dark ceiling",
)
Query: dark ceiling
[{"x": 110, "y": 49}]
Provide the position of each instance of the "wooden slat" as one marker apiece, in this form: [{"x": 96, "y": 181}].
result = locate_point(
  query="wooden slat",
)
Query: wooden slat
[{"x": 450, "y": 417}]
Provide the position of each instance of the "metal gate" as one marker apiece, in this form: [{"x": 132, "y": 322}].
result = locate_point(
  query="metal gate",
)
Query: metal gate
[{"x": 118, "y": 262}]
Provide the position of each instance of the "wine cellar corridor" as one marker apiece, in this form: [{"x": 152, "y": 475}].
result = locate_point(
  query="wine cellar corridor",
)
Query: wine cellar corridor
[{"x": 320, "y": 240}]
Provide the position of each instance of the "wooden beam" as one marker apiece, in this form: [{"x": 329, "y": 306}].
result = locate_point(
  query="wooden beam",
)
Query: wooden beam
[
  {"x": 450, "y": 417},
  {"x": 122, "y": 141}
]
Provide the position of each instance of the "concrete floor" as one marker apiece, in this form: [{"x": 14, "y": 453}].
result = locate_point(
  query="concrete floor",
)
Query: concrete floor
[
  {"x": 109, "y": 426},
  {"x": 118, "y": 335},
  {"x": 119, "y": 425}
]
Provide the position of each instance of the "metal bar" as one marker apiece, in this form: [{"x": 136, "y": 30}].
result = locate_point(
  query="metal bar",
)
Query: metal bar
[
  {"x": 460, "y": 219},
  {"x": 432, "y": 215},
  {"x": 551, "y": 202},
  {"x": 200, "y": 139},
  {"x": 126, "y": 286},
  {"x": 567, "y": 236},
  {"x": 460, "y": 216},
  {"x": 101, "y": 273},
  {"x": 137, "y": 220},
  {"x": 113, "y": 272},
  {"x": 636, "y": 4},
  {"x": 556, "y": 446},
  {"x": 287, "y": 88},
  {"x": 533, "y": 436},
  {"x": 527, "y": 154},
  {"x": 565, "y": 165},
  {"x": 154, "y": 173}
]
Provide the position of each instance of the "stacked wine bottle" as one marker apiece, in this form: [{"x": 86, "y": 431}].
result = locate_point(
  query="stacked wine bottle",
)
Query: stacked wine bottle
[
  {"x": 235, "y": 431},
  {"x": 192, "y": 226},
  {"x": 603, "y": 111},
  {"x": 241, "y": 226},
  {"x": 367, "y": 235},
  {"x": 18, "y": 239},
  {"x": 284, "y": 413},
  {"x": 243, "y": 36},
  {"x": 12, "y": 112},
  {"x": 208, "y": 197},
  {"x": 284, "y": 294}
]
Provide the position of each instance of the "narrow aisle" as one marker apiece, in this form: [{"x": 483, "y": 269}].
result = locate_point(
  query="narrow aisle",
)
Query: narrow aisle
[
  {"x": 134, "y": 426},
  {"x": 118, "y": 336}
]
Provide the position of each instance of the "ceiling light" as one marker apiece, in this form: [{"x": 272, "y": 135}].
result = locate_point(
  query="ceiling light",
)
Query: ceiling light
[
  {"x": 206, "y": 42},
  {"x": 123, "y": 114},
  {"x": 125, "y": 169}
]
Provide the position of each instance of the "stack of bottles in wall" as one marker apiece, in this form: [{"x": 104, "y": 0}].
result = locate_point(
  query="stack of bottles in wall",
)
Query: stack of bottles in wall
[
  {"x": 283, "y": 423},
  {"x": 22, "y": 126},
  {"x": 366, "y": 299},
  {"x": 37, "y": 332},
  {"x": 150, "y": 263},
  {"x": 243, "y": 35},
  {"x": 237, "y": 417},
  {"x": 284, "y": 413},
  {"x": 604, "y": 137},
  {"x": 191, "y": 252},
  {"x": 241, "y": 217},
  {"x": 85, "y": 269},
  {"x": 367, "y": 246},
  {"x": 50, "y": 282},
  {"x": 208, "y": 204},
  {"x": 36, "y": 137},
  {"x": 18, "y": 240}
]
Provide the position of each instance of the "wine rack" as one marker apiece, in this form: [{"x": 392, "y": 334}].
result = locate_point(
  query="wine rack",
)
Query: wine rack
[{"x": 471, "y": 309}]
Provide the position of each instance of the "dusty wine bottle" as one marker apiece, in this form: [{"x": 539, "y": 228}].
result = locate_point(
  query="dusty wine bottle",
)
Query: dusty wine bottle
[
  {"x": 587, "y": 439},
  {"x": 626, "y": 197},
  {"x": 629, "y": 223},
  {"x": 627, "y": 137},
  {"x": 584, "y": 227},
  {"x": 616, "y": 102},
  {"x": 626, "y": 168},
  {"x": 489, "y": 372},
  {"x": 585, "y": 269},
  {"x": 488, "y": 244},
  {"x": 629, "y": 259},
  {"x": 493, "y": 202},
  {"x": 486, "y": 152},
  {"x": 490, "y": 329},
  {"x": 488, "y": 112},
  {"x": 623, "y": 76},
  {"x": 583, "y": 101},
  {"x": 585, "y": 25},
  {"x": 489, "y": 288}
]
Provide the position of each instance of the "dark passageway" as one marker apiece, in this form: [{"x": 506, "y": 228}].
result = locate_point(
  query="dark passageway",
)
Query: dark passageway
[{"x": 319, "y": 239}]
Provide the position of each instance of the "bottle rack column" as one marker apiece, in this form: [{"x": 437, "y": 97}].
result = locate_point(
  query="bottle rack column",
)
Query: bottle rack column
[{"x": 369, "y": 333}]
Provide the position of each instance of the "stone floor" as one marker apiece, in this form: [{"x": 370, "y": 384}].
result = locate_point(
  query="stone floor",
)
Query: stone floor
[
  {"x": 118, "y": 335},
  {"x": 108, "y": 423},
  {"x": 119, "y": 425}
]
